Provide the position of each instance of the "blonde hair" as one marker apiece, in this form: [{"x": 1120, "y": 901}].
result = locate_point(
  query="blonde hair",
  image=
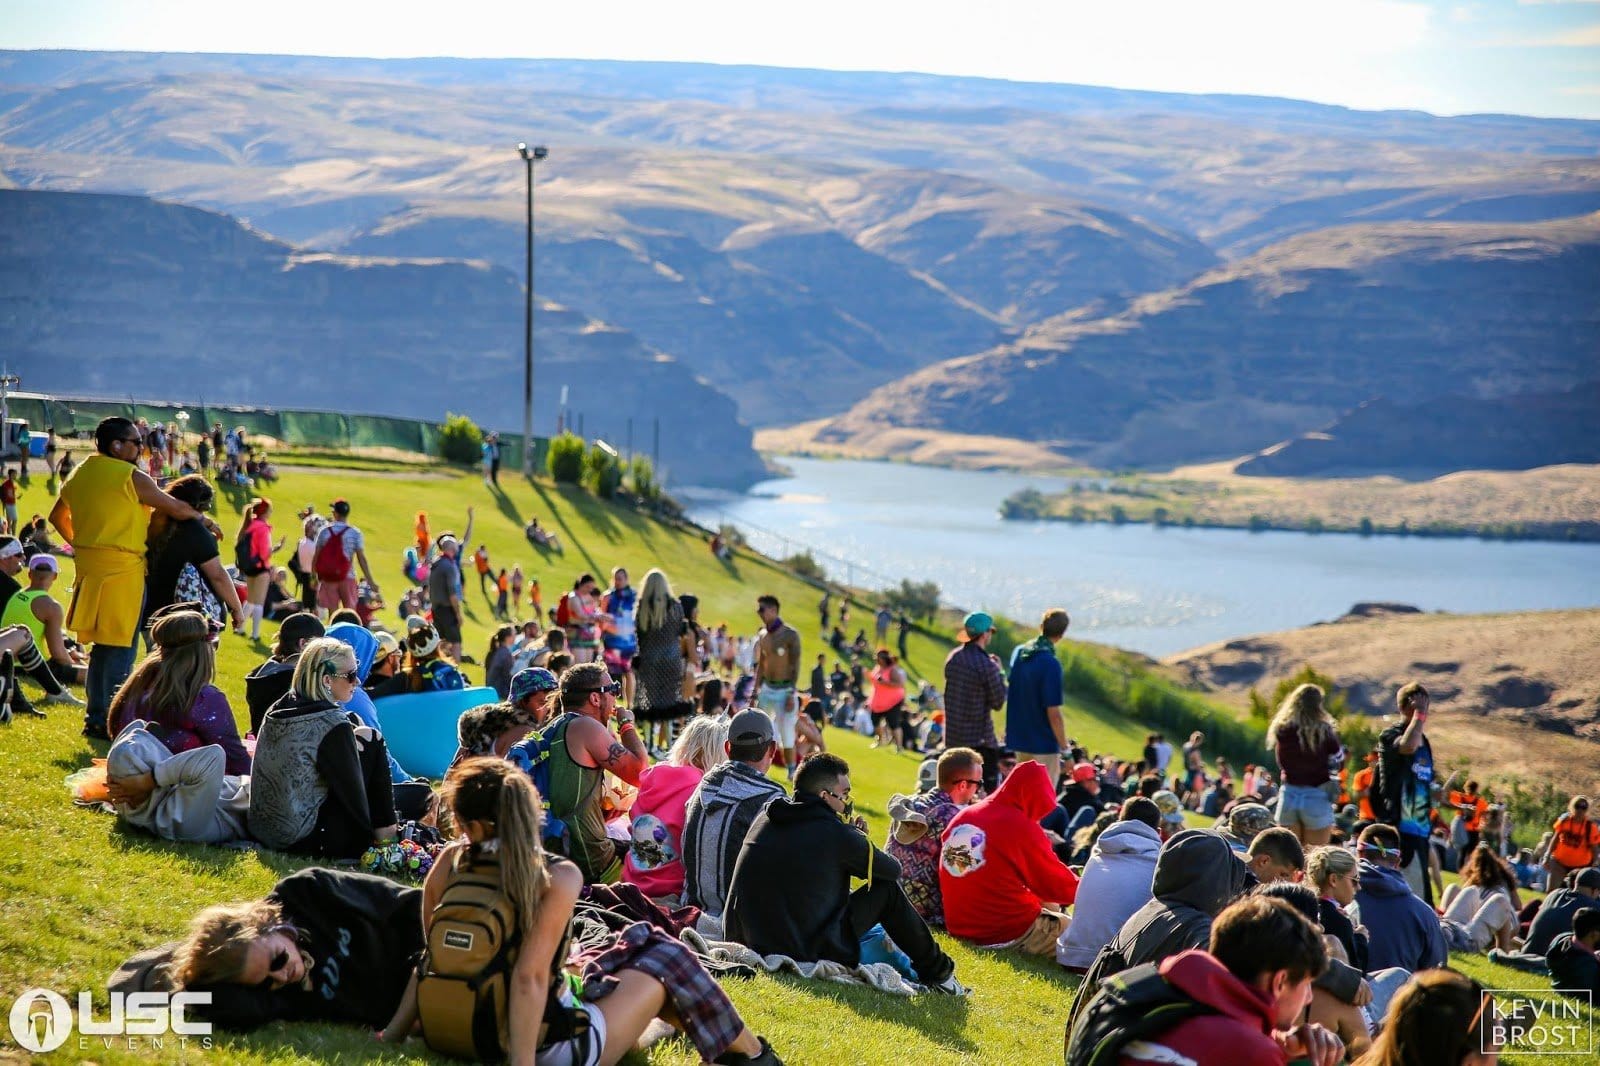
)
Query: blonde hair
[
  {"x": 1303, "y": 712},
  {"x": 490, "y": 790},
  {"x": 219, "y": 940},
  {"x": 700, "y": 743},
  {"x": 320, "y": 660},
  {"x": 1326, "y": 861},
  {"x": 655, "y": 601},
  {"x": 171, "y": 677}
]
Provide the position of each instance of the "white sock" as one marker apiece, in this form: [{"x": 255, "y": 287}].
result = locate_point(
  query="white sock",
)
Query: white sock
[{"x": 256, "y": 612}]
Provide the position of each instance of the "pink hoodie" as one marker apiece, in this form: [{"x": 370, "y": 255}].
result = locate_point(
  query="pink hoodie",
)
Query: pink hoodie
[{"x": 655, "y": 854}]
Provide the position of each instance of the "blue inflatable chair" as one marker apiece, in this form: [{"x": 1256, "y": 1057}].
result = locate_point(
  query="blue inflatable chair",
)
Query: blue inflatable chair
[{"x": 420, "y": 727}]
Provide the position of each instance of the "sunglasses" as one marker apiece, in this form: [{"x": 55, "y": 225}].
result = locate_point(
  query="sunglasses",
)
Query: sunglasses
[
  {"x": 279, "y": 960},
  {"x": 612, "y": 689},
  {"x": 843, "y": 797},
  {"x": 969, "y": 781}
]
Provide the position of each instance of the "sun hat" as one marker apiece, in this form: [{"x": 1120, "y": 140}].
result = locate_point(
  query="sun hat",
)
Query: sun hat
[
  {"x": 387, "y": 645},
  {"x": 1171, "y": 808},
  {"x": 974, "y": 626}
]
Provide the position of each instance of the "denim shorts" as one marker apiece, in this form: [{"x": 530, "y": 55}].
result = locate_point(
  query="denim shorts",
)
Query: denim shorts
[{"x": 1306, "y": 806}]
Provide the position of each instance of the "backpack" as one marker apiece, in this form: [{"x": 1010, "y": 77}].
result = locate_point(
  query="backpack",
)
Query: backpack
[
  {"x": 1134, "y": 1005},
  {"x": 564, "y": 612},
  {"x": 464, "y": 983},
  {"x": 192, "y": 587},
  {"x": 243, "y": 557},
  {"x": 532, "y": 756},
  {"x": 330, "y": 563}
]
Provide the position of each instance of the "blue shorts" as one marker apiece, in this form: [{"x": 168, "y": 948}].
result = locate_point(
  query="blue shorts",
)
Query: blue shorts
[{"x": 1306, "y": 806}]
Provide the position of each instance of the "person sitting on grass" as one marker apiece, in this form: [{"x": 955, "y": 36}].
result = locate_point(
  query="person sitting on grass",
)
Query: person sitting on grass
[
  {"x": 497, "y": 661},
  {"x": 413, "y": 796},
  {"x": 324, "y": 945},
  {"x": 1115, "y": 883},
  {"x": 790, "y": 893},
  {"x": 1275, "y": 855},
  {"x": 1404, "y": 931},
  {"x": 272, "y": 680},
  {"x": 654, "y": 861},
  {"x": 1002, "y": 884},
  {"x": 918, "y": 823},
  {"x": 718, "y": 817},
  {"x": 1439, "y": 1018},
  {"x": 623, "y": 992},
  {"x": 1553, "y": 918},
  {"x": 1573, "y": 964},
  {"x": 1252, "y": 984},
  {"x": 1480, "y": 911},
  {"x": 44, "y": 616},
  {"x": 320, "y": 786},
  {"x": 1197, "y": 875},
  {"x": 429, "y": 670}
]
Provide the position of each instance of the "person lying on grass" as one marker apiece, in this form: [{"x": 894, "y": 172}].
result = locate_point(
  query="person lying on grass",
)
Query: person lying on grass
[{"x": 545, "y": 1018}]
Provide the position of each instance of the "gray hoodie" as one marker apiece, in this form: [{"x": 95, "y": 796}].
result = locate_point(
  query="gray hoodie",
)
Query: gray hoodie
[
  {"x": 716, "y": 821},
  {"x": 1197, "y": 875},
  {"x": 1116, "y": 882},
  {"x": 193, "y": 799}
]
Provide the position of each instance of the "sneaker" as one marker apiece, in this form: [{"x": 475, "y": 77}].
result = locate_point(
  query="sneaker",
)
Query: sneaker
[
  {"x": 96, "y": 732},
  {"x": 767, "y": 1057},
  {"x": 951, "y": 987},
  {"x": 64, "y": 696}
]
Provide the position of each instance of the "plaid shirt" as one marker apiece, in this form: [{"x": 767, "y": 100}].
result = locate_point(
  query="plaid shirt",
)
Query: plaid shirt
[
  {"x": 919, "y": 860},
  {"x": 705, "y": 1013},
  {"x": 974, "y": 689}
]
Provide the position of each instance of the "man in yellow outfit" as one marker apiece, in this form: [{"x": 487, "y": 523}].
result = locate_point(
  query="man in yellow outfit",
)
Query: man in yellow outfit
[{"x": 104, "y": 512}]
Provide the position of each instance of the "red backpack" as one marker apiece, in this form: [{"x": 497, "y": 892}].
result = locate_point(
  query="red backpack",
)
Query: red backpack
[
  {"x": 331, "y": 564},
  {"x": 564, "y": 611}
]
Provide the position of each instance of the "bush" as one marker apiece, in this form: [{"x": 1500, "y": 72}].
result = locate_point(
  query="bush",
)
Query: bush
[
  {"x": 642, "y": 478},
  {"x": 1025, "y": 504},
  {"x": 565, "y": 459},
  {"x": 602, "y": 472},
  {"x": 460, "y": 439},
  {"x": 917, "y": 599},
  {"x": 1334, "y": 699},
  {"x": 805, "y": 564}
]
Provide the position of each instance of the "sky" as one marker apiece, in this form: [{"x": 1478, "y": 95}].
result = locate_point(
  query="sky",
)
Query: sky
[{"x": 1534, "y": 57}]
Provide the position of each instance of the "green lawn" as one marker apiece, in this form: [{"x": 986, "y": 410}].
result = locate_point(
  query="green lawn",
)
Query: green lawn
[{"x": 77, "y": 895}]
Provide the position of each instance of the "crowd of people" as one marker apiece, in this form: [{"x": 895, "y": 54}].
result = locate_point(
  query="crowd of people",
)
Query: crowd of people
[{"x": 624, "y": 784}]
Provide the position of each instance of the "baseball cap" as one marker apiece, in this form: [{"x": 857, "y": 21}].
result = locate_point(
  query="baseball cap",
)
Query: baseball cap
[
  {"x": 530, "y": 680},
  {"x": 10, "y": 546},
  {"x": 1588, "y": 877},
  {"x": 1248, "y": 819},
  {"x": 750, "y": 727},
  {"x": 1171, "y": 808},
  {"x": 387, "y": 646},
  {"x": 340, "y": 506},
  {"x": 1083, "y": 772},
  {"x": 974, "y": 626},
  {"x": 44, "y": 561}
]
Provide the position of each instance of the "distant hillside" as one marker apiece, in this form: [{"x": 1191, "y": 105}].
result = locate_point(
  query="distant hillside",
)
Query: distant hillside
[
  {"x": 1279, "y": 344},
  {"x": 117, "y": 294},
  {"x": 1451, "y": 433}
]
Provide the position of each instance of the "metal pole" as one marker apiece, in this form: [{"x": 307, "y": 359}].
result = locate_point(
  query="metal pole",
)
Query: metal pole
[
  {"x": 527, "y": 339},
  {"x": 655, "y": 449}
]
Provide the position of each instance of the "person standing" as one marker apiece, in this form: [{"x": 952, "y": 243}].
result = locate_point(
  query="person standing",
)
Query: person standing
[
  {"x": 1405, "y": 785},
  {"x": 902, "y": 635},
  {"x": 661, "y": 660},
  {"x": 480, "y": 562},
  {"x": 1574, "y": 841},
  {"x": 620, "y": 639},
  {"x": 184, "y": 564},
  {"x": 1305, "y": 741},
  {"x": 502, "y": 602},
  {"x": 253, "y": 556},
  {"x": 777, "y": 668},
  {"x": 974, "y": 688},
  {"x": 104, "y": 513},
  {"x": 8, "y": 498},
  {"x": 444, "y": 596},
  {"x": 880, "y": 624},
  {"x": 517, "y": 583},
  {"x": 1035, "y": 728},
  {"x": 339, "y": 546}
]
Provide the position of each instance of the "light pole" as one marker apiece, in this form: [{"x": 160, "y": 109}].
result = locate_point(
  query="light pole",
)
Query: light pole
[{"x": 529, "y": 156}]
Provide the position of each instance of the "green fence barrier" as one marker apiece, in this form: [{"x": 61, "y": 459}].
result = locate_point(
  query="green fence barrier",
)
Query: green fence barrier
[{"x": 317, "y": 429}]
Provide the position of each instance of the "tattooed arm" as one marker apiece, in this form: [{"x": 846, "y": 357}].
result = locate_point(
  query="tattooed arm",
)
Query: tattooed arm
[{"x": 624, "y": 756}]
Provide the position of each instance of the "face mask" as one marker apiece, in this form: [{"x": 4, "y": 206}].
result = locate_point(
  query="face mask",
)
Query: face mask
[{"x": 849, "y": 811}]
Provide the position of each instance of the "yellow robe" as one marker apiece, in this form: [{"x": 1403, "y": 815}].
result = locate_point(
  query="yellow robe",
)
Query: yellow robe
[{"x": 109, "y": 525}]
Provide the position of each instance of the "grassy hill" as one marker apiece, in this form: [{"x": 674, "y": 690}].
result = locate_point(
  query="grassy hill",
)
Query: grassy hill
[{"x": 80, "y": 894}]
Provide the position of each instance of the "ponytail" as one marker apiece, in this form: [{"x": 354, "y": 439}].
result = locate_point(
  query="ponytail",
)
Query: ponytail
[{"x": 487, "y": 789}]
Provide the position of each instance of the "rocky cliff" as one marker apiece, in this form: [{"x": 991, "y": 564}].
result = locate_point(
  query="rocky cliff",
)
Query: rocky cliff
[{"x": 121, "y": 294}]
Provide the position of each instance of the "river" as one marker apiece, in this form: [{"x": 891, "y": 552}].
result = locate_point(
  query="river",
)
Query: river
[{"x": 1155, "y": 590}]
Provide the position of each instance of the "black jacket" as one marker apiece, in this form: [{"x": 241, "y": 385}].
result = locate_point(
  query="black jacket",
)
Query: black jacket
[
  {"x": 1553, "y": 918},
  {"x": 1197, "y": 874},
  {"x": 791, "y": 886},
  {"x": 364, "y": 934},
  {"x": 1572, "y": 969},
  {"x": 266, "y": 685},
  {"x": 1336, "y": 923}
]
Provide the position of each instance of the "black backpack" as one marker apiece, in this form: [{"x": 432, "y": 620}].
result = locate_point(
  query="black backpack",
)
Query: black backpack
[{"x": 1134, "y": 1005}]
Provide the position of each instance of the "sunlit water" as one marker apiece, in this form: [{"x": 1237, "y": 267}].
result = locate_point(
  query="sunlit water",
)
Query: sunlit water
[{"x": 1153, "y": 590}]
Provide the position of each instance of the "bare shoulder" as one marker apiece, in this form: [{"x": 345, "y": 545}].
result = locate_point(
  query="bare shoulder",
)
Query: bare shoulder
[{"x": 565, "y": 877}]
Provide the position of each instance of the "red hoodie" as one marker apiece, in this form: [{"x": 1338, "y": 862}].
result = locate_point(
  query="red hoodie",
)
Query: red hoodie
[
  {"x": 996, "y": 866},
  {"x": 1239, "y": 1034}
]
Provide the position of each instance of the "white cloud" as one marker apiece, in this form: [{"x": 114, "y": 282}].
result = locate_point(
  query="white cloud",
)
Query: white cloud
[{"x": 1579, "y": 37}]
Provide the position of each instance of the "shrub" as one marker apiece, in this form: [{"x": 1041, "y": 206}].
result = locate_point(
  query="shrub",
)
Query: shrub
[
  {"x": 565, "y": 459},
  {"x": 1337, "y": 703},
  {"x": 642, "y": 478},
  {"x": 460, "y": 439},
  {"x": 1025, "y": 504},
  {"x": 918, "y": 599},
  {"x": 602, "y": 472},
  {"x": 805, "y": 564}
]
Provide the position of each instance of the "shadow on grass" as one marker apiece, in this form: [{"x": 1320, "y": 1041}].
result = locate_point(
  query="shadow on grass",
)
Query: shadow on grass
[
  {"x": 507, "y": 506},
  {"x": 942, "y": 1019},
  {"x": 567, "y": 534}
]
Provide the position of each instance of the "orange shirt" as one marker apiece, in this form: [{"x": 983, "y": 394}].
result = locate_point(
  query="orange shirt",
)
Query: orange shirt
[
  {"x": 1575, "y": 841},
  {"x": 503, "y": 583},
  {"x": 1475, "y": 806},
  {"x": 1363, "y": 785}
]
